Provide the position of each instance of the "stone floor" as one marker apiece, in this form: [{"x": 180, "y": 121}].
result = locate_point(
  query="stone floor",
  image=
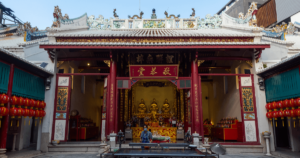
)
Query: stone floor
[{"x": 73, "y": 155}]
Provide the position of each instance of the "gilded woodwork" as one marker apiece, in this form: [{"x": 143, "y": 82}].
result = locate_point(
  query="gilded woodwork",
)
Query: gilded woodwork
[
  {"x": 126, "y": 106},
  {"x": 247, "y": 96},
  {"x": 163, "y": 131},
  {"x": 156, "y": 40},
  {"x": 249, "y": 62},
  {"x": 228, "y": 70},
  {"x": 182, "y": 105},
  {"x": 62, "y": 99}
]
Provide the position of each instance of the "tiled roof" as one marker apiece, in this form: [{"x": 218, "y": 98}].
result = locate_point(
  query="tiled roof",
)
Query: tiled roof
[
  {"x": 24, "y": 60},
  {"x": 279, "y": 64},
  {"x": 33, "y": 42},
  {"x": 154, "y": 43},
  {"x": 278, "y": 41},
  {"x": 157, "y": 33}
]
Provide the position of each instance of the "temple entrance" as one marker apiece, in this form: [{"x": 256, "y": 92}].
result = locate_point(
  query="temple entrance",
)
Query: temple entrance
[{"x": 155, "y": 103}]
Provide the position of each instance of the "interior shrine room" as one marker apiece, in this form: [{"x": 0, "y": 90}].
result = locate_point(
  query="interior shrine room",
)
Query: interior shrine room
[
  {"x": 221, "y": 101},
  {"x": 163, "y": 103},
  {"x": 86, "y": 99}
]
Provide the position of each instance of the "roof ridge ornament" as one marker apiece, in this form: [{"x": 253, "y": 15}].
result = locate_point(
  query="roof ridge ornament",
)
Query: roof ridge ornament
[
  {"x": 193, "y": 13},
  {"x": 115, "y": 14},
  {"x": 172, "y": 15},
  {"x": 136, "y": 16},
  {"x": 58, "y": 17}
]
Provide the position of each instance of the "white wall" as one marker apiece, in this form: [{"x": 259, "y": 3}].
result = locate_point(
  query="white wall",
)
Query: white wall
[{"x": 295, "y": 18}]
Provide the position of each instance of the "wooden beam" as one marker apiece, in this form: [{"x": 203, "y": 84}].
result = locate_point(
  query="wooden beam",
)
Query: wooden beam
[
  {"x": 92, "y": 67},
  {"x": 225, "y": 58},
  {"x": 215, "y": 67},
  {"x": 81, "y": 59}
]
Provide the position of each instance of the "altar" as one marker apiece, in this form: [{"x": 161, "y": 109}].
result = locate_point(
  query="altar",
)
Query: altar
[{"x": 156, "y": 132}]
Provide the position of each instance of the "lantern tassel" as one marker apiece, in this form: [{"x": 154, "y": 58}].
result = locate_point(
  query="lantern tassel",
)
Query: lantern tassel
[
  {"x": 18, "y": 123},
  {"x": 289, "y": 124},
  {"x": 276, "y": 123},
  {"x": 272, "y": 123},
  {"x": 283, "y": 123},
  {"x": 40, "y": 121},
  {"x": 29, "y": 122},
  {"x": 11, "y": 123},
  {"x": 294, "y": 124},
  {"x": 24, "y": 122}
]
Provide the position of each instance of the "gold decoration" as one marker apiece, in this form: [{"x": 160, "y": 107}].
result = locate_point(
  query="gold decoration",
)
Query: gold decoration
[
  {"x": 141, "y": 70},
  {"x": 182, "y": 105},
  {"x": 163, "y": 131},
  {"x": 167, "y": 71},
  {"x": 169, "y": 59},
  {"x": 200, "y": 62},
  {"x": 140, "y": 58},
  {"x": 142, "y": 107},
  {"x": 166, "y": 107},
  {"x": 107, "y": 62},
  {"x": 156, "y": 40},
  {"x": 80, "y": 70},
  {"x": 247, "y": 95},
  {"x": 126, "y": 106},
  {"x": 228, "y": 70},
  {"x": 153, "y": 71},
  {"x": 249, "y": 62}
]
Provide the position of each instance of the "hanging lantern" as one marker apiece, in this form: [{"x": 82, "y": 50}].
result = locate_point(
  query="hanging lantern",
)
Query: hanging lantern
[
  {"x": 3, "y": 112},
  {"x": 293, "y": 115},
  {"x": 270, "y": 116},
  {"x": 31, "y": 114},
  {"x": 287, "y": 114},
  {"x": 274, "y": 105},
  {"x": 298, "y": 114},
  {"x": 280, "y": 105},
  {"x": 26, "y": 102},
  {"x": 14, "y": 101},
  {"x": 286, "y": 104},
  {"x": 42, "y": 114},
  {"x": 37, "y": 115},
  {"x": 4, "y": 99},
  {"x": 21, "y": 101},
  {"x": 32, "y": 103},
  {"x": 37, "y": 104},
  {"x": 275, "y": 116},
  {"x": 43, "y": 105},
  {"x": 291, "y": 103},
  {"x": 281, "y": 115},
  {"x": 13, "y": 111}
]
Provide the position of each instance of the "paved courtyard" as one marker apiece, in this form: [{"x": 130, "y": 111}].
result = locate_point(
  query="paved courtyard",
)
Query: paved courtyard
[{"x": 70, "y": 155}]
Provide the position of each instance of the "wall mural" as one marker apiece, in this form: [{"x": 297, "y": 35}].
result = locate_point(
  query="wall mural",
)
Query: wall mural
[
  {"x": 61, "y": 115},
  {"x": 60, "y": 126},
  {"x": 62, "y": 99},
  {"x": 249, "y": 116},
  {"x": 250, "y": 131},
  {"x": 247, "y": 96}
]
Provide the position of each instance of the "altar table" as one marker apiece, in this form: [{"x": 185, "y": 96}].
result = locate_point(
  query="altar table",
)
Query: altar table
[{"x": 163, "y": 131}]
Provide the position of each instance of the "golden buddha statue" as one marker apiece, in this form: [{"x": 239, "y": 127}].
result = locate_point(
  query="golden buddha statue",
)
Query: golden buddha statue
[
  {"x": 153, "y": 107},
  {"x": 166, "y": 107},
  {"x": 142, "y": 107}
]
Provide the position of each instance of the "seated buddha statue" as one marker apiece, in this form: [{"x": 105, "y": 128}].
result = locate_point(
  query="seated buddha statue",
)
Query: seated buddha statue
[
  {"x": 142, "y": 107},
  {"x": 166, "y": 107},
  {"x": 153, "y": 107}
]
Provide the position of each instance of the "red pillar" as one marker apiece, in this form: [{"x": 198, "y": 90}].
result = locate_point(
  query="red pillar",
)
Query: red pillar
[
  {"x": 195, "y": 97},
  {"x": 112, "y": 100},
  {"x": 107, "y": 106},
  {"x": 5, "y": 119}
]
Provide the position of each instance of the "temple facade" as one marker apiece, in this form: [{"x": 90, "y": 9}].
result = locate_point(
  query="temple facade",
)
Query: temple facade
[{"x": 175, "y": 75}]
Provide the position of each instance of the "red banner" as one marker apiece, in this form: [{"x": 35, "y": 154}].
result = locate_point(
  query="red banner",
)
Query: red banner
[{"x": 153, "y": 71}]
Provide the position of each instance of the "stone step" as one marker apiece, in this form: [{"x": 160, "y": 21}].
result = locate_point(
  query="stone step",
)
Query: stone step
[{"x": 89, "y": 148}]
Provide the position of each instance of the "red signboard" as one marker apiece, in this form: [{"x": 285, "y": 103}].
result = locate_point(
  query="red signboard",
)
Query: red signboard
[{"x": 153, "y": 71}]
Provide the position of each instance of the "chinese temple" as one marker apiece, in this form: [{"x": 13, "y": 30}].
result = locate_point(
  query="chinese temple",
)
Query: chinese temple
[{"x": 174, "y": 75}]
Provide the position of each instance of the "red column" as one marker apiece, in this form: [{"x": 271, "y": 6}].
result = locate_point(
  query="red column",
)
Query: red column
[
  {"x": 107, "y": 106},
  {"x": 195, "y": 98},
  {"x": 5, "y": 121},
  {"x": 112, "y": 100}
]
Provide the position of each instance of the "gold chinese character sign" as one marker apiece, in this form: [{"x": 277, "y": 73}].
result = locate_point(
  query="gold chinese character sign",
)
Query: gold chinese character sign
[{"x": 153, "y": 71}]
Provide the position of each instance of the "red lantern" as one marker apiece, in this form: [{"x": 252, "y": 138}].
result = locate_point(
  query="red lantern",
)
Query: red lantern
[
  {"x": 275, "y": 116},
  {"x": 3, "y": 99},
  {"x": 13, "y": 111},
  {"x": 15, "y": 101},
  {"x": 26, "y": 102},
  {"x": 274, "y": 105},
  {"x": 32, "y": 103},
  {"x": 43, "y": 104},
  {"x": 270, "y": 107},
  {"x": 43, "y": 113},
  {"x": 291, "y": 103},
  {"x": 37, "y": 113},
  {"x": 293, "y": 115},
  {"x": 31, "y": 113},
  {"x": 270, "y": 116},
  {"x": 285, "y": 104},
  {"x": 281, "y": 115},
  {"x": 280, "y": 105},
  {"x": 298, "y": 114},
  {"x": 287, "y": 113},
  {"x": 297, "y": 102},
  {"x": 38, "y": 104},
  {"x": 3, "y": 112},
  {"x": 26, "y": 114}
]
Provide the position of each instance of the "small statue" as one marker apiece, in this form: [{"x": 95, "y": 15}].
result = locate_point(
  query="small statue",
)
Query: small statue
[
  {"x": 142, "y": 107},
  {"x": 166, "y": 107},
  {"x": 154, "y": 107}
]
